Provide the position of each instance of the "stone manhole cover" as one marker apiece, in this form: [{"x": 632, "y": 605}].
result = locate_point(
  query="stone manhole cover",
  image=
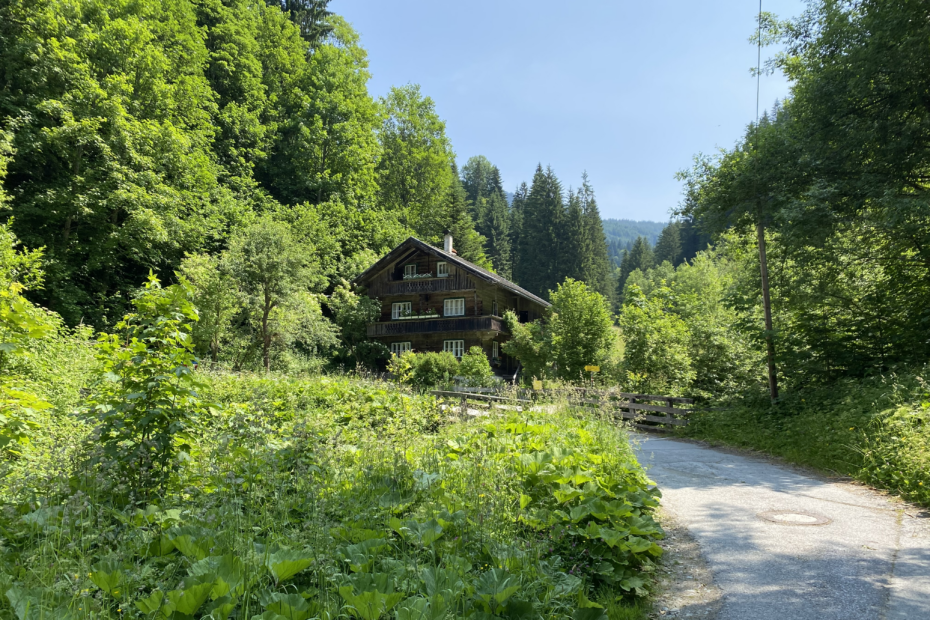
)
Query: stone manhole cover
[{"x": 794, "y": 517}]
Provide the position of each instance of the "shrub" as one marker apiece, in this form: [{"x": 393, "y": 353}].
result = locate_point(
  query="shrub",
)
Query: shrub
[
  {"x": 21, "y": 323},
  {"x": 475, "y": 368},
  {"x": 145, "y": 401},
  {"x": 425, "y": 370},
  {"x": 581, "y": 329},
  {"x": 577, "y": 332},
  {"x": 656, "y": 342}
]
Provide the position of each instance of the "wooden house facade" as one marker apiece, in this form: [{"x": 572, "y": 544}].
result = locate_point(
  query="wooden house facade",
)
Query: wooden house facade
[{"x": 433, "y": 300}]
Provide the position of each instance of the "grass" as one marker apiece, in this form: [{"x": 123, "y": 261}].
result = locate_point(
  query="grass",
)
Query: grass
[
  {"x": 334, "y": 497},
  {"x": 876, "y": 430}
]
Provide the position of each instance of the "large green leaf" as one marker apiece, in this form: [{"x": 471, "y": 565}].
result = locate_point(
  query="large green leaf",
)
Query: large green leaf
[
  {"x": 190, "y": 599},
  {"x": 220, "y": 609},
  {"x": 414, "y": 531},
  {"x": 614, "y": 538},
  {"x": 414, "y": 608},
  {"x": 361, "y": 556},
  {"x": 227, "y": 571},
  {"x": 369, "y": 605},
  {"x": 286, "y": 563},
  {"x": 566, "y": 494},
  {"x": 639, "y": 545},
  {"x": 194, "y": 542},
  {"x": 494, "y": 587},
  {"x": 107, "y": 576},
  {"x": 419, "y": 608},
  {"x": 443, "y": 581},
  {"x": 162, "y": 545},
  {"x": 289, "y": 606},
  {"x": 589, "y": 613},
  {"x": 154, "y": 603},
  {"x": 26, "y": 604}
]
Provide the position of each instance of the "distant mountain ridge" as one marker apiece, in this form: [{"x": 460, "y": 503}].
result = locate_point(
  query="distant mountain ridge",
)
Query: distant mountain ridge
[{"x": 622, "y": 233}]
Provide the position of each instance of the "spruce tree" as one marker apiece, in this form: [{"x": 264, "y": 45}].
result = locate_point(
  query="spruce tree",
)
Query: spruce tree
[
  {"x": 468, "y": 243},
  {"x": 596, "y": 259},
  {"x": 497, "y": 229},
  {"x": 574, "y": 243},
  {"x": 541, "y": 239},
  {"x": 516, "y": 231},
  {"x": 692, "y": 238},
  {"x": 640, "y": 256},
  {"x": 311, "y": 16},
  {"x": 475, "y": 174},
  {"x": 668, "y": 246},
  {"x": 481, "y": 181}
]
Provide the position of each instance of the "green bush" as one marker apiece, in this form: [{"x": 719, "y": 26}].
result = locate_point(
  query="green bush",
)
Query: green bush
[
  {"x": 576, "y": 332},
  {"x": 475, "y": 368},
  {"x": 425, "y": 370},
  {"x": 146, "y": 402},
  {"x": 656, "y": 343}
]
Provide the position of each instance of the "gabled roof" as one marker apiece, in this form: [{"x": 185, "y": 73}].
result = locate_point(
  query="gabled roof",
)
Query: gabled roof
[{"x": 473, "y": 269}]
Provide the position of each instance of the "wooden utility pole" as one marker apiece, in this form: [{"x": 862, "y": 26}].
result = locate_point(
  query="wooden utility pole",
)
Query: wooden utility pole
[
  {"x": 760, "y": 237},
  {"x": 767, "y": 311}
]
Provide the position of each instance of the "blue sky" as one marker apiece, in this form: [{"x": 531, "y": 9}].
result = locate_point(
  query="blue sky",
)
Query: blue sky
[{"x": 628, "y": 91}]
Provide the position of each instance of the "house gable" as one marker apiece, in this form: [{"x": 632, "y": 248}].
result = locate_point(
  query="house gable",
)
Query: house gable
[{"x": 386, "y": 276}]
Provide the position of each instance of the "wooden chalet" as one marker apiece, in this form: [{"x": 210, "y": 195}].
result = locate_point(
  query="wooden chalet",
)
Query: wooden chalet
[{"x": 433, "y": 300}]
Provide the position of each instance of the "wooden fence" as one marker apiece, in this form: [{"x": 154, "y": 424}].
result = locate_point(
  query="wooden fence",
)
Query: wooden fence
[{"x": 641, "y": 409}]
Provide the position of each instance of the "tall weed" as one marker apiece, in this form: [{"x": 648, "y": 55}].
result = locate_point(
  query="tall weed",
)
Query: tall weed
[{"x": 335, "y": 497}]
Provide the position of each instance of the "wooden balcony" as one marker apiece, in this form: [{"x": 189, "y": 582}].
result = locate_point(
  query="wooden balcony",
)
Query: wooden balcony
[
  {"x": 428, "y": 326},
  {"x": 457, "y": 282}
]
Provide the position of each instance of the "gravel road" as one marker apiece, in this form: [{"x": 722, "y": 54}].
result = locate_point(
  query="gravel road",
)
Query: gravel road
[{"x": 785, "y": 545}]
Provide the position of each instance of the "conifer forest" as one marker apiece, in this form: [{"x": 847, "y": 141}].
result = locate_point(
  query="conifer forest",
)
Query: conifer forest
[{"x": 196, "y": 423}]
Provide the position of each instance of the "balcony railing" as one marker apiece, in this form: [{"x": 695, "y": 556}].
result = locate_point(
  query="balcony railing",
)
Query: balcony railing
[
  {"x": 457, "y": 282},
  {"x": 458, "y": 324}
]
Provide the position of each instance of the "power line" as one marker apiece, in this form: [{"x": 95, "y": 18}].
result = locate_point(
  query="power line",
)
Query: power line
[{"x": 758, "y": 60}]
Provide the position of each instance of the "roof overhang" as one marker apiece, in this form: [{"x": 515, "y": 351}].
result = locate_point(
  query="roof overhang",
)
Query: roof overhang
[{"x": 413, "y": 243}]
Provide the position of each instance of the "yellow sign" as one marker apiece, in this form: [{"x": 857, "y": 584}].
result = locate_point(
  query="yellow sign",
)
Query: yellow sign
[
  {"x": 593, "y": 368},
  {"x": 537, "y": 385}
]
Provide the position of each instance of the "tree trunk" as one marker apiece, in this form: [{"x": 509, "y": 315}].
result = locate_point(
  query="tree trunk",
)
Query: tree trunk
[
  {"x": 266, "y": 337},
  {"x": 767, "y": 310}
]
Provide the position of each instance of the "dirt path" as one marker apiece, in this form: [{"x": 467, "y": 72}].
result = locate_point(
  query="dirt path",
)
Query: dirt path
[{"x": 784, "y": 545}]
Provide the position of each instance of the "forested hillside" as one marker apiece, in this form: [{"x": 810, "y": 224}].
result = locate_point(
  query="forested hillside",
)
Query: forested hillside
[{"x": 195, "y": 136}]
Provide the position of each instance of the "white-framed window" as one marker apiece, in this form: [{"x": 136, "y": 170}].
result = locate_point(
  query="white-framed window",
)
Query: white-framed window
[
  {"x": 442, "y": 270},
  {"x": 495, "y": 351},
  {"x": 410, "y": 270},
  {"x": 399, "y": 348},
  {"x": 401, "y": 309},
  {"x": 455, "y": 347},
  {"x": 454, "y": 307}
]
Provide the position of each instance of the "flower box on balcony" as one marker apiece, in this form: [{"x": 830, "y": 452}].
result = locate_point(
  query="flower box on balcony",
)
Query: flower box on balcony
[{"x": 427, "y": 315}]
